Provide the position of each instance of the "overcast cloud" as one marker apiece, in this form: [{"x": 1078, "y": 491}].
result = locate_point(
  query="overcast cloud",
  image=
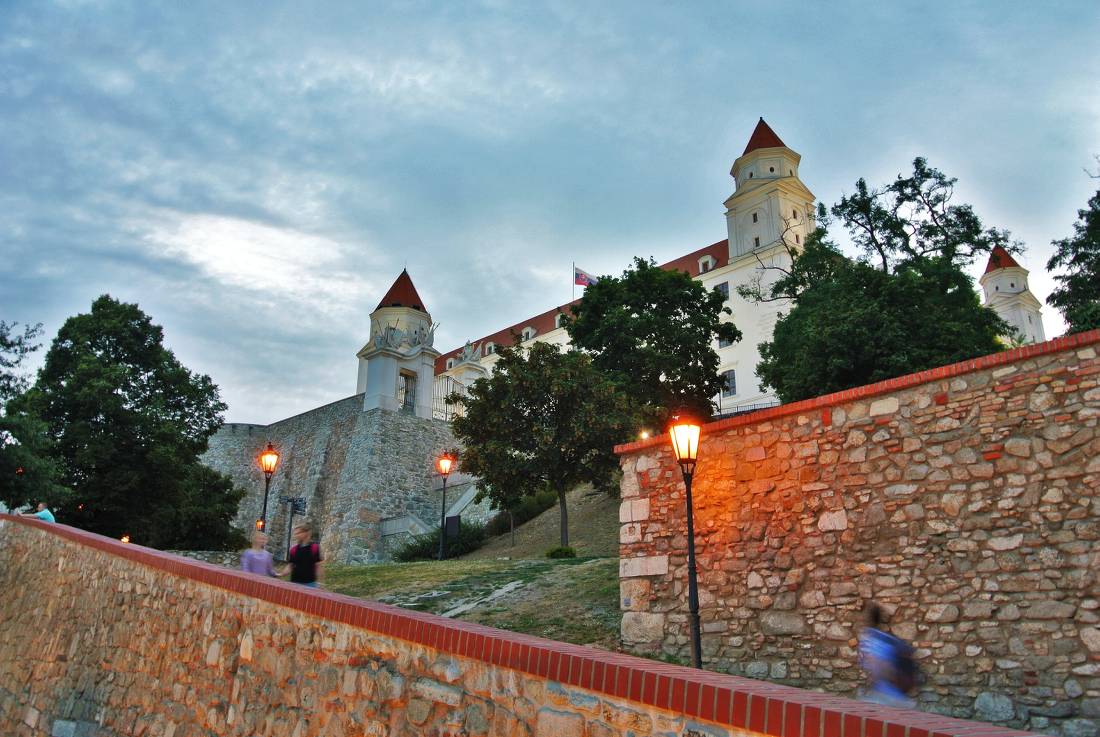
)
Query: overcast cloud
[{"x": 255, "y": 175}]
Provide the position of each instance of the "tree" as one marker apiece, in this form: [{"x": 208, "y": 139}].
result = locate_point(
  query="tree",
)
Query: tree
[
  {"x": 128, "y": 422},
  {"x": 544, "y": 419},
  {"x": 27, "y": 470},
  {"x": 905, "y": 306},
  {"x": 1078, "y": 294},
  {"x": 653, "y": 331}
]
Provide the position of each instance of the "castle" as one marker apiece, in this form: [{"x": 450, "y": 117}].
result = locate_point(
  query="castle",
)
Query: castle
[{"x": 364, "y": 464}]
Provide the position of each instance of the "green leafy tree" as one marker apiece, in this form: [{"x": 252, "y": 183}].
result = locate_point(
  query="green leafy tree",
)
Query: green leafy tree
[
  {"x": 1078, "y": 294},
  {"x": 28, "y": 472},
  {"x": 544, "y": 419},
  {"x": 905, "y": 306},
  {"x": 128, "y": 422},
  {"x": 653, "y": 331}
]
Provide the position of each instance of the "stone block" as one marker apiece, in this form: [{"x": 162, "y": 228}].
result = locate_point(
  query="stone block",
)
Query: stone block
[
  {"x": 994, "y": 707},
  {"x": 1050, "y": 609},
  {"x": 553, "y": 723},
  {"x": 884, "y": 406},
  {"x": 634, "y": 510},
  {"x": 630, "y": 533},
  {"x": 1091, "y": 637},
  {"x": 942, "y": 613},
  {"x": 642, "y": 627},
  {"x": 835, "y": 520},
  {"x": 783, "y": 623},
  {"x": 652, "y": 565}
]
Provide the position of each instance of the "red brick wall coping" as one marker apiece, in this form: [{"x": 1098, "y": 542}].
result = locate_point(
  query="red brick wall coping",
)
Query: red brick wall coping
[
  {"x": 732, "y": 701},
  {"x": 1065, "y": 343}
]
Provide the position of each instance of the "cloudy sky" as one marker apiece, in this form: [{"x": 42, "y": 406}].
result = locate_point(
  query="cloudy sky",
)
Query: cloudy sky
[{"x": 255, "y": 175}]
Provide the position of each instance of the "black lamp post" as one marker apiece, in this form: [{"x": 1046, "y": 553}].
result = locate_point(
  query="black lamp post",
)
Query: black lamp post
[
  {"x": 444, "y": 463},
  {"x": 269, "y": 461},
  {"x": 684, "y": 434}
]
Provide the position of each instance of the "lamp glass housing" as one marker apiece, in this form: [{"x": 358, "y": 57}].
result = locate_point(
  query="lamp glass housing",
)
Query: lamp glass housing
[
  {"x": 269, "y": 459},
  {"x": 685, "y": 444},
  {"x": 444, "y": 463}
]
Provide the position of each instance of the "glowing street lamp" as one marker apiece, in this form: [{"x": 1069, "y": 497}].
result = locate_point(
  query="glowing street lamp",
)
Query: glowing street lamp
[
  {"x": 443, "y": 464},
  {"x": 684, "y": 434},
  {"x": 269, "y": 461}
]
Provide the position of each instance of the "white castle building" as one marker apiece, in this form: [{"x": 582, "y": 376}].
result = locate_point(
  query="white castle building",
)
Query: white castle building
[{"x": 769, "y": 214}]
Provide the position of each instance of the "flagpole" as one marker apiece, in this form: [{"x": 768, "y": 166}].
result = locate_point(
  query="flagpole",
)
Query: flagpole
[{"x": 574, "y": 275}]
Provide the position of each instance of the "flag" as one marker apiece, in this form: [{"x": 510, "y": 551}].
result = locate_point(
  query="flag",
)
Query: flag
[{"x": 583, "y": 278}]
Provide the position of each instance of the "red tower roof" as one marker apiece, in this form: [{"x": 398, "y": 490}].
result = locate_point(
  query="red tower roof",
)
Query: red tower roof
[
  {"x": 999, "y": 258},
  {"x": 402, "y": 294},
  {"x": 763, "y": 137}
]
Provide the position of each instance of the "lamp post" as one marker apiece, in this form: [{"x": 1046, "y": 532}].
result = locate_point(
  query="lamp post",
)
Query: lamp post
[
  {"x": 269, "y": 460},
  {"x": 444, "y": 463},
  {"x": 684, "y": 434}
]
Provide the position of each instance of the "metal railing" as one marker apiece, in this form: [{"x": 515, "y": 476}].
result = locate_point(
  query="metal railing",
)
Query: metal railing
[{"x": 444, "y": 387}]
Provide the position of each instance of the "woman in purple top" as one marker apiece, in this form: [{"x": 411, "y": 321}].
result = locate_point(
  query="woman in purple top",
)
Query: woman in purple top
[{"x": 256, "y": 559}]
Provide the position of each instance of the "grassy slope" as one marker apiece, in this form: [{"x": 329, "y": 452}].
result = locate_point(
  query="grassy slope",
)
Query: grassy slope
[{"x": 515, "y": 588}]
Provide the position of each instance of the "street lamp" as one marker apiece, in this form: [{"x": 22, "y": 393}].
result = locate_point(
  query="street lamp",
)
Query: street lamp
[
  {"x": 269, "y": 460},
  {"x": 444, "y": 463},
  {"x": 684, "y": 434}
]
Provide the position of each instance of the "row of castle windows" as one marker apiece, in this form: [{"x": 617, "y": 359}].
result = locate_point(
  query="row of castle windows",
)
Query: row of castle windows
[{"x": 490, "y": 348}]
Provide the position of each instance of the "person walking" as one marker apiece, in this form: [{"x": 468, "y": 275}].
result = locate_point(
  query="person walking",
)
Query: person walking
[
  {"x": 888, "y": 661},
  {"x": 256, "y": 559},
  {"x": 304, "y": 561},
  {"x": 42, "y": 513}
]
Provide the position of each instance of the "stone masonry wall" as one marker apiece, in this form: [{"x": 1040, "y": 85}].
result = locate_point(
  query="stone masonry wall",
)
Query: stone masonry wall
[
  {"x": 102, "y": 639},
  {"x": 966, "y": 500},
  {"x": 353, "y": 468}
]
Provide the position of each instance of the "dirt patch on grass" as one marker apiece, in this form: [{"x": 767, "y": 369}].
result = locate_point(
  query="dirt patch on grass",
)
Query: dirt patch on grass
[{"x": 568, "y": 600}]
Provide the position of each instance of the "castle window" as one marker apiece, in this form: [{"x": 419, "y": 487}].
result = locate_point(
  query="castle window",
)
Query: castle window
[
  {"x": 791, "y": 172},
  {"x": 756, "y": 242},
  {"x": 557, "y": 320},
  {"x": 1012, "y": 285},
  {"x": 771, "y": 169},
  {"x": 796, "y": 239},
  {"x": 450, "y": 363},
  {"x": 706, "y": 264},
  {"x": 724, "y": 288},
  {"x": 528, "y": 333},
  {"x": 794, "y": 214},
  {"x": 755, "y": 217},
  {"x": 750, "y": 175},
  {"x": 729, "y": 383},
  {"x": 490, "y": 349}
]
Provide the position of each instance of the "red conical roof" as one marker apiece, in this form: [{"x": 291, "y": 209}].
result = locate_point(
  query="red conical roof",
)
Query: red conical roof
[
  {"x": 763, "y": 137},
  {"x": 402, "y": 294},
  {"x": 999, "y": 258}
]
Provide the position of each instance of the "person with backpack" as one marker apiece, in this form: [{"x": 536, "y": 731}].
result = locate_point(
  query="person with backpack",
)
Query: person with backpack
[
  {"x": 889, "y": 662},
  {"x": 304, "y": 561}
]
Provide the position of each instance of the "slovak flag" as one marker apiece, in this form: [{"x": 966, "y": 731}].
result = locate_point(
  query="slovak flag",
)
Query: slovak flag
[{"x": 583, "y": 278}]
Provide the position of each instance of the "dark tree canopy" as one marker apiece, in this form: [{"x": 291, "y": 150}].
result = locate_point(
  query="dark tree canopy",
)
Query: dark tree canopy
[
  {"x": 906, "y": 306},
  {"x": 859, "y": 325},
  {"x": 1077, "y": 296},
  {"x": 653, "y": 330},
  {"x": 544, "y": 419},
  {"x": 128, "y": 422},
  {"x": 28, "y": 472}
]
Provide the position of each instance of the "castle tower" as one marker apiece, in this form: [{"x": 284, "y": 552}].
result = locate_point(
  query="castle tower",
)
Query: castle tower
[
  {"x": 770, "y": 202},
  {"x": 1007, "y": 294},
  {"x": 397, "y": 365}
]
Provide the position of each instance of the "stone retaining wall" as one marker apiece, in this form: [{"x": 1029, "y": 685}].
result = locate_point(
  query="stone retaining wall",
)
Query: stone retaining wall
[
  {"x": 106, "y": 639},
  {"x": 355, "y": 470},
  {"x": 965, "y": 499}
]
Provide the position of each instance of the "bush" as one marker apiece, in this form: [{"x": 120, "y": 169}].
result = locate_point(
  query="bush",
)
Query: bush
[
  {"x": 528, "y": 508},
  {"x": 562, "y": 551},
  {"x": 471, "y": 536}
]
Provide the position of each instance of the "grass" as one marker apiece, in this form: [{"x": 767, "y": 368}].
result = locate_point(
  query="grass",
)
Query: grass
[{"x": 571, "y": 600}]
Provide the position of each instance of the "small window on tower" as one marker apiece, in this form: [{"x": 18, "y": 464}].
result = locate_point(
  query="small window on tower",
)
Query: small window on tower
[
  {"x": 755, "y": 217},
  {"x": 794, "y": 214},
  {"x": 796, "y": 240},
  {"x": 750, "y": 175},
  {"x": 790, "y": 172},
  {"x": 756, "y": 242},
  {"x": 771, "y": 169},
  {"x": 1012, "y": 285}
]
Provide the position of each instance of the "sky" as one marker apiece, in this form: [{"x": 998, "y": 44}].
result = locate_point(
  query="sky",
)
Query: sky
[{"x": 256, "y": 174}]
